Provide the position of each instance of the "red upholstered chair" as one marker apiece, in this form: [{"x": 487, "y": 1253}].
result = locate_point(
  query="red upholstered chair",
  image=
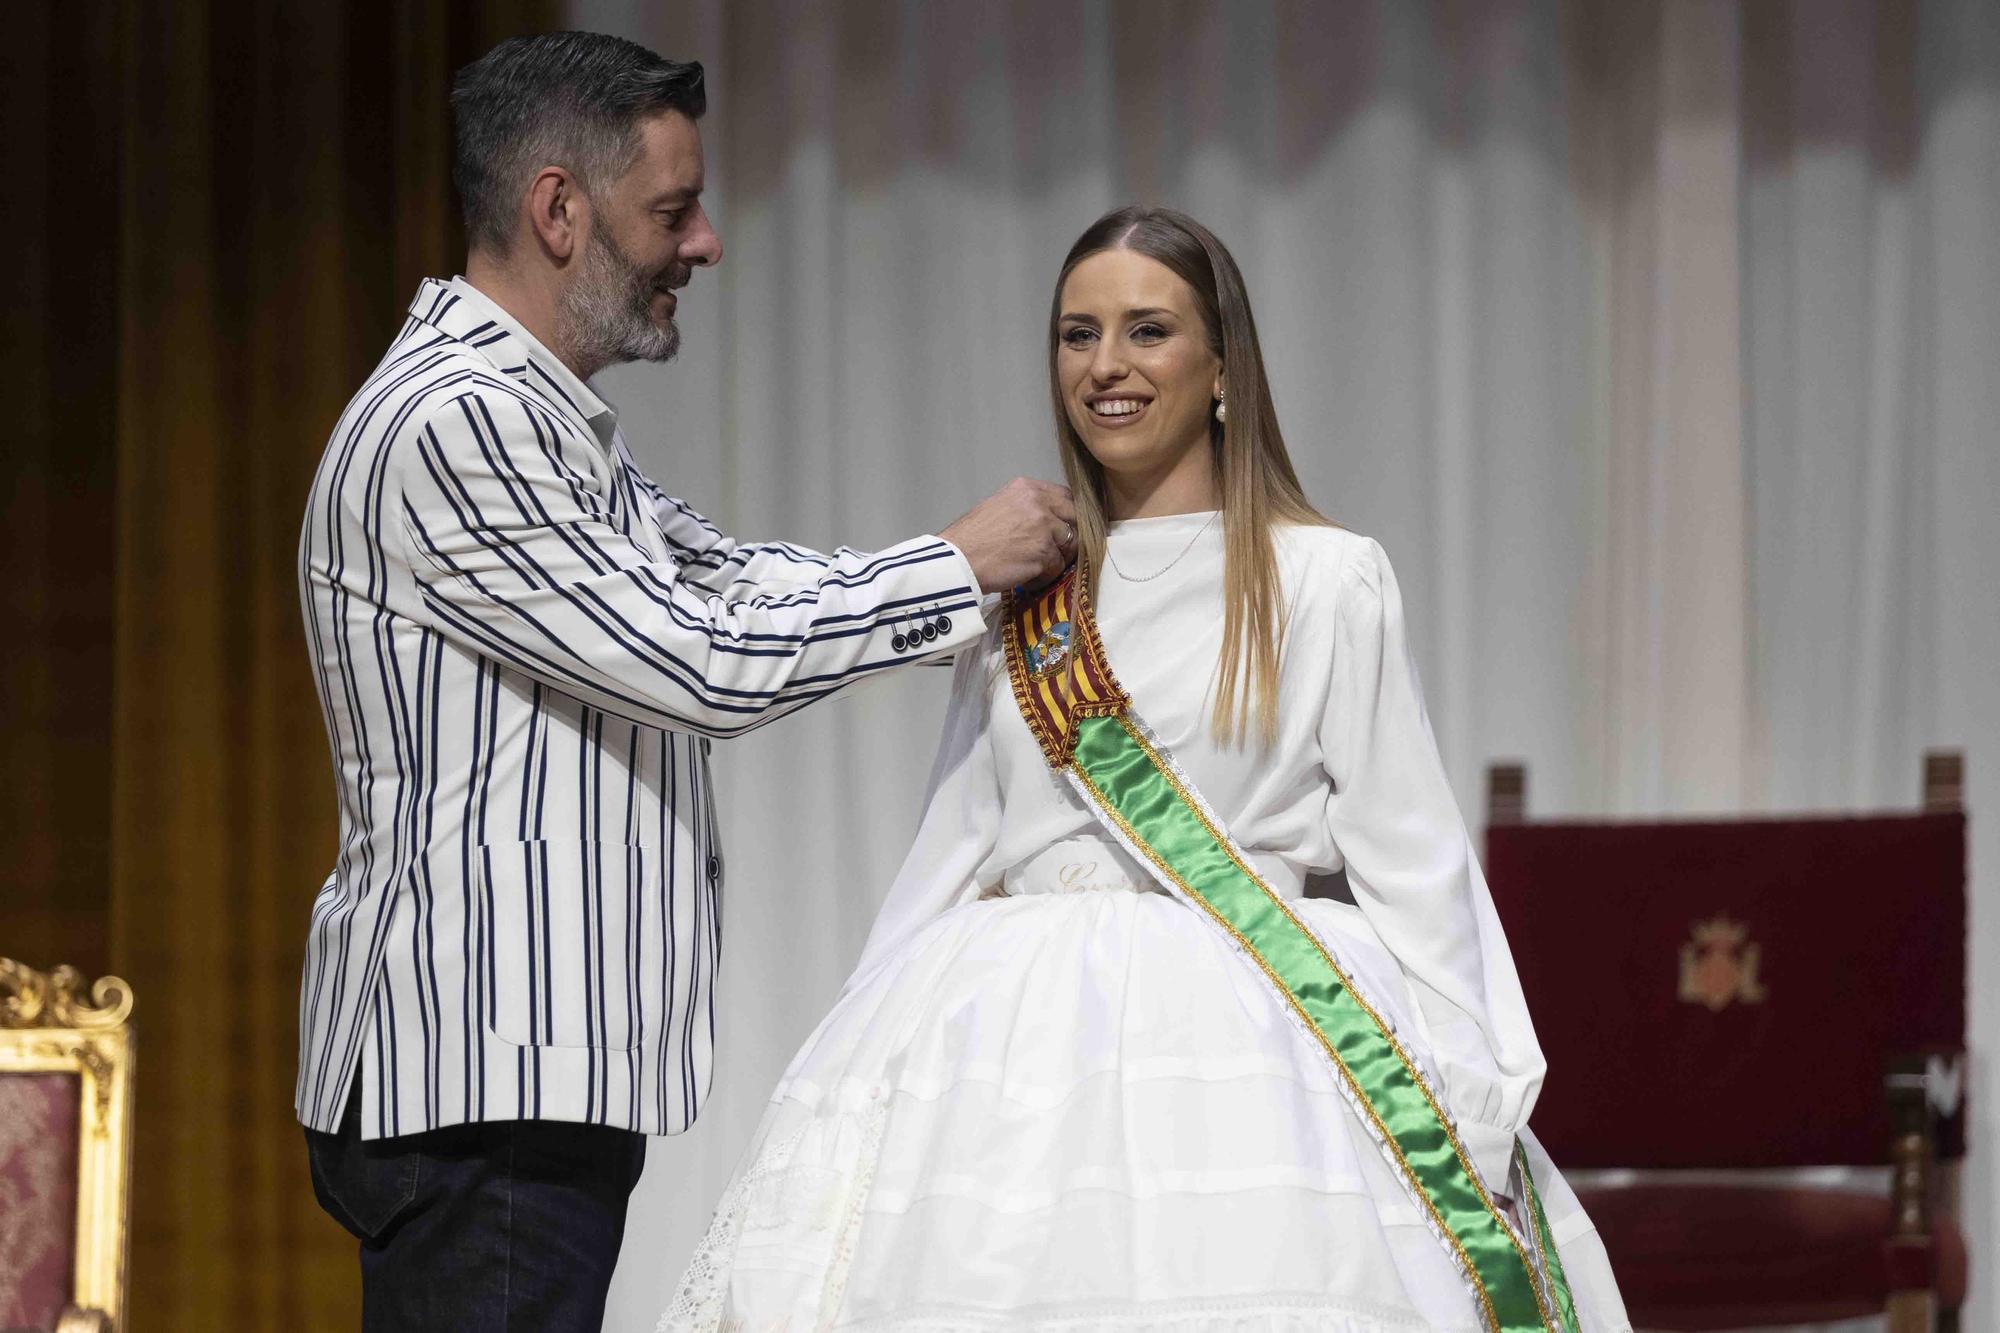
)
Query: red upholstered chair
[
  {"x": 1720, "y": 1001},
  {"x": 65, "y": 1149}
]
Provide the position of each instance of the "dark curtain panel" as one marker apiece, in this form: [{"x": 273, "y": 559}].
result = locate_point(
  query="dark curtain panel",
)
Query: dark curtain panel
[
  {"x": 58, "y": 354},
  {"x": 227, "y": 208}
]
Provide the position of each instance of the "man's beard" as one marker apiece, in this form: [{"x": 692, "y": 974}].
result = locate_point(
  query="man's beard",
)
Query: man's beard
[{"x": 608, "y": 310}]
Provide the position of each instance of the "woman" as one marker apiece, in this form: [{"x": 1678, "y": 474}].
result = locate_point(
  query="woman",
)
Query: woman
[{"x": 1102, "y": 1065}]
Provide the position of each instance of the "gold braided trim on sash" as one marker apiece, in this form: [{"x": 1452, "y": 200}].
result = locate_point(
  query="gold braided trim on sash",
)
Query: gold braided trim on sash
[
  {"x": 1056, "y": 664},
  {"x": 1060, "y": 676},
  {"x": 1199, "y": 809}
]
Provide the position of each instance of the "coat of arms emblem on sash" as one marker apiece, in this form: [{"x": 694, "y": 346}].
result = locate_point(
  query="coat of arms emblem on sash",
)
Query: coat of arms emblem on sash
[
  {"x": 1719, "y": 965},
  {"x": 1047, "y": 654}
]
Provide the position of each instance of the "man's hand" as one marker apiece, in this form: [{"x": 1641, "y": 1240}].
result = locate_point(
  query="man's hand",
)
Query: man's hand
[{"x": 1022, "y": 535}]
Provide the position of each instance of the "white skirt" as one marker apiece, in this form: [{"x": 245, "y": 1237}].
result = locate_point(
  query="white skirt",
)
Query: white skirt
[{"x": 1086, "y": 1111}]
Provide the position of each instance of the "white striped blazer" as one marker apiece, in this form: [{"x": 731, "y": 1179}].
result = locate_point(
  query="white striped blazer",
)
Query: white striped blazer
[{"x": 523, "y": 648}]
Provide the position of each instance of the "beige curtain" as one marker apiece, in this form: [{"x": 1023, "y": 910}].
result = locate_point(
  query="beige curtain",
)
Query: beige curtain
[{"x": 1657, "y": 127}]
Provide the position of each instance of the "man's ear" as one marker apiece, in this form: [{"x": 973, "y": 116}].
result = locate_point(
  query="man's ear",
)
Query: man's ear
[{"x": 555, "y": 211}]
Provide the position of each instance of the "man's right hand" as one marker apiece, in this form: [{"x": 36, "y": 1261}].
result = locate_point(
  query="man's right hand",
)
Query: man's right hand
[{"x": 1022, "y": 535}]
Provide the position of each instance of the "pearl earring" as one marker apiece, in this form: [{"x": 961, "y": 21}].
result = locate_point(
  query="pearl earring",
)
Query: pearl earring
[{"x": 1221, "y": 409}]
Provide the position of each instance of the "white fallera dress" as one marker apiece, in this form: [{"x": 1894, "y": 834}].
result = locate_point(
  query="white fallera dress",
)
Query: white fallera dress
[{"x": 1054, "y": 1097}]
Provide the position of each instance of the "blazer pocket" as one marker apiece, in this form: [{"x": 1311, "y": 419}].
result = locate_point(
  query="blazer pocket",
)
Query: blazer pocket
[{"x": 563, "y": 922}]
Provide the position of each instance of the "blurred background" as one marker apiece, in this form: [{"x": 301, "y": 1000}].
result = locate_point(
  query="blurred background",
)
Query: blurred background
[{"x": 1657, "y": 340}]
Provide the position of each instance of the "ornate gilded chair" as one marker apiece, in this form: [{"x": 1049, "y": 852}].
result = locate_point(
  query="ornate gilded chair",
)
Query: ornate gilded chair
[
  {"x": 65, "y": 1149},
  {"x": 1755, "y": 1031}
]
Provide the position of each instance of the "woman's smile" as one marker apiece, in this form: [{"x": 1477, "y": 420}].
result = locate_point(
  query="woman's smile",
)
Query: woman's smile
[{"x": 1116, "y": 411}]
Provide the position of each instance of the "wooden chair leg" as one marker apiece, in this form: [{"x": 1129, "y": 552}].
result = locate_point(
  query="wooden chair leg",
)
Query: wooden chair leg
[{"x": 1912, "y": 1306}]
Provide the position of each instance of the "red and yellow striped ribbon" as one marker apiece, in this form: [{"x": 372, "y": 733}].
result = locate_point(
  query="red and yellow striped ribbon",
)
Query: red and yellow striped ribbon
[{"x": 1057, "y": 665}]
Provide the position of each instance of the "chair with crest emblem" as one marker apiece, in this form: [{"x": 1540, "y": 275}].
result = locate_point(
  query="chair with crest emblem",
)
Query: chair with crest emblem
[
  {"x": 65, "y": 1149},
  {"x": 1755, "y": 1031}
]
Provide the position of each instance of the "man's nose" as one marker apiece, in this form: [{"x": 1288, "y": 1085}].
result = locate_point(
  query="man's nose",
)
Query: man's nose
[{"x": 702, "y": 248}]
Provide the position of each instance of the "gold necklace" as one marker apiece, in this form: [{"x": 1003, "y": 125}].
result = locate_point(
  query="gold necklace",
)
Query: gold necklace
[{"x": 1164, "y": 568}]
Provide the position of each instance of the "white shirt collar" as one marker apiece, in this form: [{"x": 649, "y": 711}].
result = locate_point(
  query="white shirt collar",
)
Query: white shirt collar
[{"x": 543, "y": 369}]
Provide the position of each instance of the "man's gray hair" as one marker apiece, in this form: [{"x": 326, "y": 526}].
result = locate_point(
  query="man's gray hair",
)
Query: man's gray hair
[{"x": 564, "y": 99}]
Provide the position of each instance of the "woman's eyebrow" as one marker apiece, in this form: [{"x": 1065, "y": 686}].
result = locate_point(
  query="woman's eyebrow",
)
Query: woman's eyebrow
[{"x": 1141, "y": 312}]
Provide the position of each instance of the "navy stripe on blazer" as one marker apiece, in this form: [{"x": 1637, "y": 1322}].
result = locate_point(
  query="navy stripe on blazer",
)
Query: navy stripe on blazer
[{"x": 523, "y": 649}]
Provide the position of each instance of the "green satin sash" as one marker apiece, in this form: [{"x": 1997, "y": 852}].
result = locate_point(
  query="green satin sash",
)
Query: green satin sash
[{"x": 1088, "y": 730}]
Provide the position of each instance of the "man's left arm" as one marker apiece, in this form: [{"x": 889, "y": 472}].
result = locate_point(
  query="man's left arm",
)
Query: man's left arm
[
  {"x": 517, "y": 556},
  {"x": 721, "y": 564}
]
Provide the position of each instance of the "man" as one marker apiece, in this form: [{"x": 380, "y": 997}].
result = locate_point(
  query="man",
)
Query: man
[{"x": 524, "y": 648}]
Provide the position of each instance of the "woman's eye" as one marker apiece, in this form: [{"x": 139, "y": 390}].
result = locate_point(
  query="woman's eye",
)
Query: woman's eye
[
  {"x": 1148, "y": 333},
  {"x": 1078, "y": 337}
]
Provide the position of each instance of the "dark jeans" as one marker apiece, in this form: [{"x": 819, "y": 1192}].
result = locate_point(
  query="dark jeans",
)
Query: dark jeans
[{"x": 506, "y": 1227}]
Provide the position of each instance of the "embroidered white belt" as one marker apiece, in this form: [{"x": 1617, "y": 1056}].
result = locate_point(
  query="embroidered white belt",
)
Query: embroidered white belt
[{"x": 1096, "y": 865}]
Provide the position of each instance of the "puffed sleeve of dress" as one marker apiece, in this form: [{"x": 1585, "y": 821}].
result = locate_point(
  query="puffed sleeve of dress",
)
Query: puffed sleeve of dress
[
  {"x": 1413, "y": 872},
  {"x": 961, "y": 820}
]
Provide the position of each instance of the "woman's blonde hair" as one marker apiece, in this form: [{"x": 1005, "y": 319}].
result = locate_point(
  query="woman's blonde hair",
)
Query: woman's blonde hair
[{"x": 1253, "y": 471}]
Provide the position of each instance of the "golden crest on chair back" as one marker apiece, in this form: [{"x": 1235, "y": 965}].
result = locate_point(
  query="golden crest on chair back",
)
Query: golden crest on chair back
[{"x": 1719, "y": 965}]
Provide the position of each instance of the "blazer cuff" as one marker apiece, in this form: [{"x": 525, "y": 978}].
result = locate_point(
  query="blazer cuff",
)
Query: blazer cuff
[
  {"x": 960, "y": 563},
  {"x": 948, "y": 602}
]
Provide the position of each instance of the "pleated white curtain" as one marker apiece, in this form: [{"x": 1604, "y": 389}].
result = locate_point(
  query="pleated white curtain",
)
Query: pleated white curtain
[{"x": 1659, "y": 342}]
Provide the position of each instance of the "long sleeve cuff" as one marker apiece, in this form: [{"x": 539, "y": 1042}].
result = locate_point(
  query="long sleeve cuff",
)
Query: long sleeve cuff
[{"x": 1492, "y": 1151}]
